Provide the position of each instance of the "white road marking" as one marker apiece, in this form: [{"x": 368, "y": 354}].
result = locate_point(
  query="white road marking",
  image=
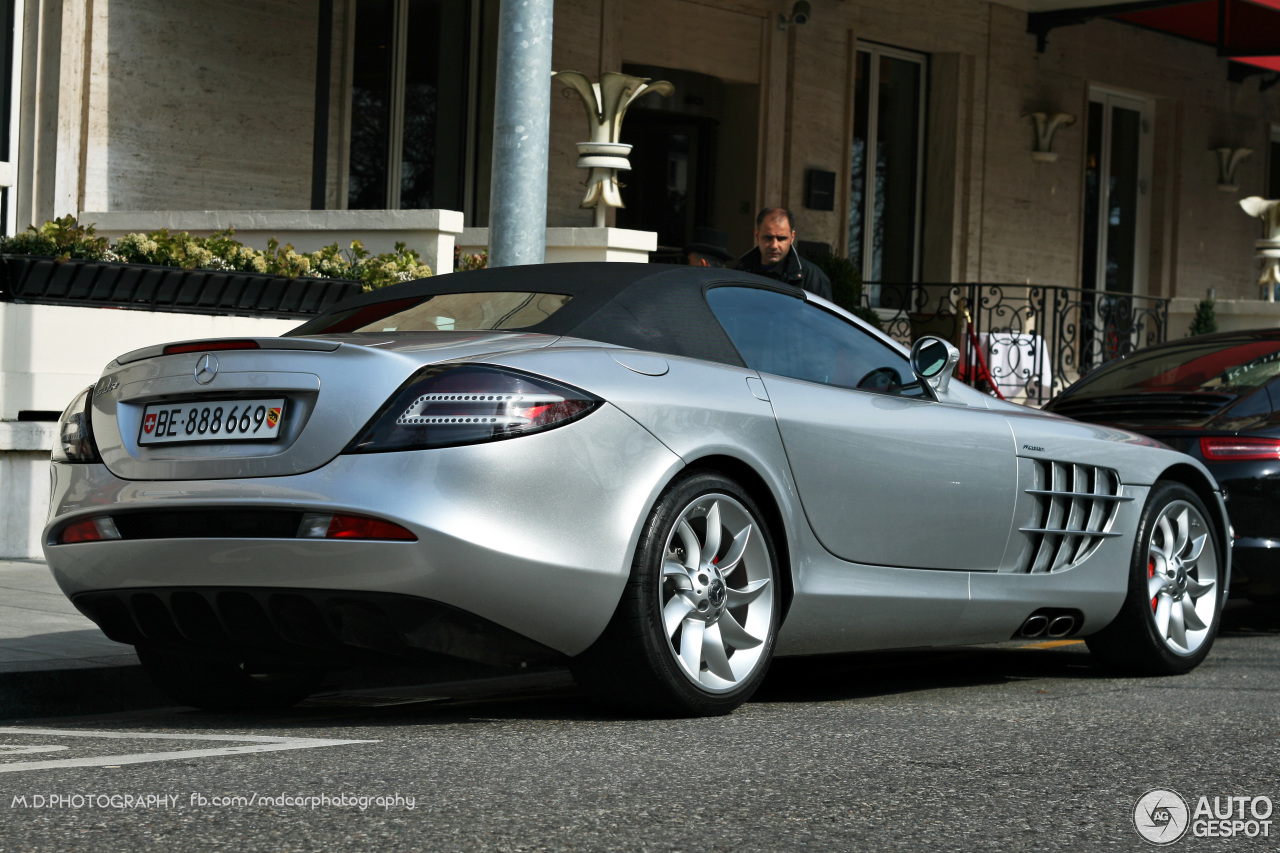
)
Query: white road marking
[
  {"x": 15, "y": 749},
  {"x": 257, "y": 743}
]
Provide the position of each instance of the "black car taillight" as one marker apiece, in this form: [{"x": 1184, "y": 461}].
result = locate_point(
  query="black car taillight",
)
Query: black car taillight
[
  {"x": 75, "y": 432},
  {"x": 454, "y": 404},
  {"x": 1232, "y": 449}
]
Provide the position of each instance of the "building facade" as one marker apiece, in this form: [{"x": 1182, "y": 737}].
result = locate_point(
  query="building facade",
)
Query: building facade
[{"x": 901, "y": 132}]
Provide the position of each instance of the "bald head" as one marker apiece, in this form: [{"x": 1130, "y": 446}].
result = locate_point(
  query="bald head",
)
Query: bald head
[{"x": 774, "y": 234}]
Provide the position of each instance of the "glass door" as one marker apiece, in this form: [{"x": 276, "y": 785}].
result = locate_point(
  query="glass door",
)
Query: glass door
[
  {"x": 1117, "y": 192},
  {"x": 886, "y": 170},
  {"x": 1117, "y": 195}
]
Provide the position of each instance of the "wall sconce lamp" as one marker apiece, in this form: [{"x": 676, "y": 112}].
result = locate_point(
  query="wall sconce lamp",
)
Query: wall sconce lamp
[
  {"x": 1229, "y": 159},
  {"x": 800, "y": 12},
  {"x": 1046, "y": 128}
]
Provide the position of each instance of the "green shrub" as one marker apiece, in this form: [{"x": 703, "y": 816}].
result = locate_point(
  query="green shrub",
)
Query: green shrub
[
  {"x": 1205, "y": 322},
  {"x": 846, "y": 286}
]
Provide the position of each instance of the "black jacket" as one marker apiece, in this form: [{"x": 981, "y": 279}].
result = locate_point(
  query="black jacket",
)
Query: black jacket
[{"x": 792, "y": 269}]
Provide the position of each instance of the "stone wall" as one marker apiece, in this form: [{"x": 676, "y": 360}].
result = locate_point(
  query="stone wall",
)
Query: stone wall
[{"x": 205, "y": 105}]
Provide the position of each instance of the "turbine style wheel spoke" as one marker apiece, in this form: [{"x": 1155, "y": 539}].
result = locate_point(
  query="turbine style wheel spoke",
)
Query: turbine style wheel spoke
[
  {"x": 689, "y": 542},
  {"x": 1177, "y": 627},
  {"x": 717, "y": 609},
  {"x": 748, "y": 594},
  {"x": 735, "y": 635},
  {"x": 691, "y": 632},
  {"x": 1197, "y": 589},
  {"x": 715, "y": 654},
  {"x": 711, "y": 547},
  {"x": 1184, "y": 577},
  {"x": 677, "y": 574},
  {"x": 733, "y": 556},
  {"x": 675, "y": 611},
  {"x": 1163, "y": 608},
  {"x": 1190, "y": 617}
]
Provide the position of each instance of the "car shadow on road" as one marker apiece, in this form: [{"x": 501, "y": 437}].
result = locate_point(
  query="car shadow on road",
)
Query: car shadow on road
[{"x": 399, "y": 697}]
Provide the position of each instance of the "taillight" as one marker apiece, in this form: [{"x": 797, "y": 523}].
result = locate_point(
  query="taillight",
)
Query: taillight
[
  {"x": 450, "y": 405},
  {"x": 75, "y": 432},
  {"x": 89, "y": 530},
  {"x": 209, "y": 346},
  {"x": 1229, "y": 449},
  {"x": 322, "y": 526}
]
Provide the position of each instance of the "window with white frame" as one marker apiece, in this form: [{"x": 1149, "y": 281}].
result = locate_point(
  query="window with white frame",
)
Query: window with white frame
[{"x": 886, "y": 172}]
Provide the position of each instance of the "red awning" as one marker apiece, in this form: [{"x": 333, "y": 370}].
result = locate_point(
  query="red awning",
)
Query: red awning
[{"x": 1245, "y": 31}]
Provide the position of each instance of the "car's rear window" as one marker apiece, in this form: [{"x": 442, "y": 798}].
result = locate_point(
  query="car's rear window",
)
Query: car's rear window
[
  {"x": 447, "y": 312},
  {"x": 1213, "y": 366}
]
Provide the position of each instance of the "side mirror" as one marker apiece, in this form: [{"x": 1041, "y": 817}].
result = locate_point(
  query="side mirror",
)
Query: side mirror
[{"x": 934, "y": 360}]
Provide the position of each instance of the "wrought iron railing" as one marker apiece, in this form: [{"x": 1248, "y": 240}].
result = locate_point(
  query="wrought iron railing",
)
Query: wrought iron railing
[{"x": 1031, "y": 341}]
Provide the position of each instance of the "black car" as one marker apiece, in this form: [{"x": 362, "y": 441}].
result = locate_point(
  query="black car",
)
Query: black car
[{"x": 1217, "y": 398}]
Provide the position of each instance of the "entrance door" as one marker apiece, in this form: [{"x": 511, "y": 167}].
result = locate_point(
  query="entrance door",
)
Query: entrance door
[
  {"x": 886, "y": 170},
  {"x": 668, "y": 189}
]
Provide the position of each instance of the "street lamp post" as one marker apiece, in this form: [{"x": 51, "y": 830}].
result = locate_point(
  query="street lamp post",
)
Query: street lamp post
[{"x": 522, "y": 122}]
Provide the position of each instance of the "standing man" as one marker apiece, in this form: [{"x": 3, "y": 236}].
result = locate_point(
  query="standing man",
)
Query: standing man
[{"x": 776, "y": 257}]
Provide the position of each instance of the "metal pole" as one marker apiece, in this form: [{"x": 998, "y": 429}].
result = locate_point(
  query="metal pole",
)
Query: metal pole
[{"x": 522, "y": 124}]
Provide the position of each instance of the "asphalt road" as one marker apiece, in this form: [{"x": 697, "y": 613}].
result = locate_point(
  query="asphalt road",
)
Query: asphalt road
[{"x": 993, "y": 748}]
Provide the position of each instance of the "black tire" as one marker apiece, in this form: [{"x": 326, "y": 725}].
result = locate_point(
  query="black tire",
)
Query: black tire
[
  {"x": 225, "y": 686},
  {"x": 1135, "y": 642},
  {"x": 637, "y": 664}
]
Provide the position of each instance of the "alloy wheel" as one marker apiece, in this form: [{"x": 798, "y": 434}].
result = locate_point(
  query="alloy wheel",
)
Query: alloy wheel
[
  {"x": 717, "y": 593},
  {"x": 1182, "y": 573}
]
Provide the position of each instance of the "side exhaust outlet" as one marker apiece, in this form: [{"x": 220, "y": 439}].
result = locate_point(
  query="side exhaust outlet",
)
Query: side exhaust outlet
[
  {"x": 1035, "y": 625},
  {"x": 1061, "y": 626}
]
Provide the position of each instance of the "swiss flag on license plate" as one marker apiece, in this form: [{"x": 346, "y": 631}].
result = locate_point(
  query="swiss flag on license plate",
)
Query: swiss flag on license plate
[{"x": 149, "y": 424}]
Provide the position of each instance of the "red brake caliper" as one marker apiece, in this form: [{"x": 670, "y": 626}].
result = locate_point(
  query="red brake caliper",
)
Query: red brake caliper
[{"x": 1151, "y": 572}]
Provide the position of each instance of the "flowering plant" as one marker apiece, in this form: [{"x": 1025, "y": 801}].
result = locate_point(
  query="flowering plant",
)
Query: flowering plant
[{"x": 64, "y": 238}]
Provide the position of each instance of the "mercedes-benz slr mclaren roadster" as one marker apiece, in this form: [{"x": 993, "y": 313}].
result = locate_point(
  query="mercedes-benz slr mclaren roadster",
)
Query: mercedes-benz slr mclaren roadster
[{"x": 660, "y": 476}]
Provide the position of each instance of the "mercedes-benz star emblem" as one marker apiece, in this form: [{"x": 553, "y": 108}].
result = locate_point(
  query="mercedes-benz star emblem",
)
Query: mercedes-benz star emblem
[{"x": 206, "y": 368}]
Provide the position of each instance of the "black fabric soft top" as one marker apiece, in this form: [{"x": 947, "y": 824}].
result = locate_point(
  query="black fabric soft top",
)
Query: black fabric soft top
[{"x": 656, "y": 307}]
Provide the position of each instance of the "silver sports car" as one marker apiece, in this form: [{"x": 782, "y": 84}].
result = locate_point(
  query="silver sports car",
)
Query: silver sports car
[{"x": 662, "y": 476}]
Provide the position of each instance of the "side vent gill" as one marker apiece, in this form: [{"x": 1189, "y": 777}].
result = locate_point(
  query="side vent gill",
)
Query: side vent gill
[{"x": 1077, "y": 506}]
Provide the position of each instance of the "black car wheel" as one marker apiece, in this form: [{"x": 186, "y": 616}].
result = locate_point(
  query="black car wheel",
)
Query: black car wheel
[
  {"x": 223, "y": 685},
  {"x": 1171, "y": 613},
  {"x": 695, "y": 629}
]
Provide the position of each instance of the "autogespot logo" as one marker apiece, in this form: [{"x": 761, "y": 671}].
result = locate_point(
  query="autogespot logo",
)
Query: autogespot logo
[{"x": 1161, "y": 816}]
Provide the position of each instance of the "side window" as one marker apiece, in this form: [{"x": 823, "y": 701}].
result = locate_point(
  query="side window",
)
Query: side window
[{"x": 789, "y": 337}]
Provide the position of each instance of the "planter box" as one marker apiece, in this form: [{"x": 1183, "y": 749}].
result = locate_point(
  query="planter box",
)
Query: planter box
[{"x": 49, "y": 281}]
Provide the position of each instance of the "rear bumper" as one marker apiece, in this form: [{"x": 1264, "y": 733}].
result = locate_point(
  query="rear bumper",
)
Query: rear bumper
[
  {"x": 321, "y": 628},
  {"x": 535, "y": 535}
]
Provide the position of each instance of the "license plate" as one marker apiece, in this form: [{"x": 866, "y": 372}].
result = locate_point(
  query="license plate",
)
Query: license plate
[{"x": 212, "y": 420}]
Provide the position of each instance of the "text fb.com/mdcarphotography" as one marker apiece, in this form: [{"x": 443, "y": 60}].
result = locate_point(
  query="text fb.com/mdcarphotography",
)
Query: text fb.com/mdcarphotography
[
  {"x": 1163, "y": 816},
  {"x": 132, "y": 801}
]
